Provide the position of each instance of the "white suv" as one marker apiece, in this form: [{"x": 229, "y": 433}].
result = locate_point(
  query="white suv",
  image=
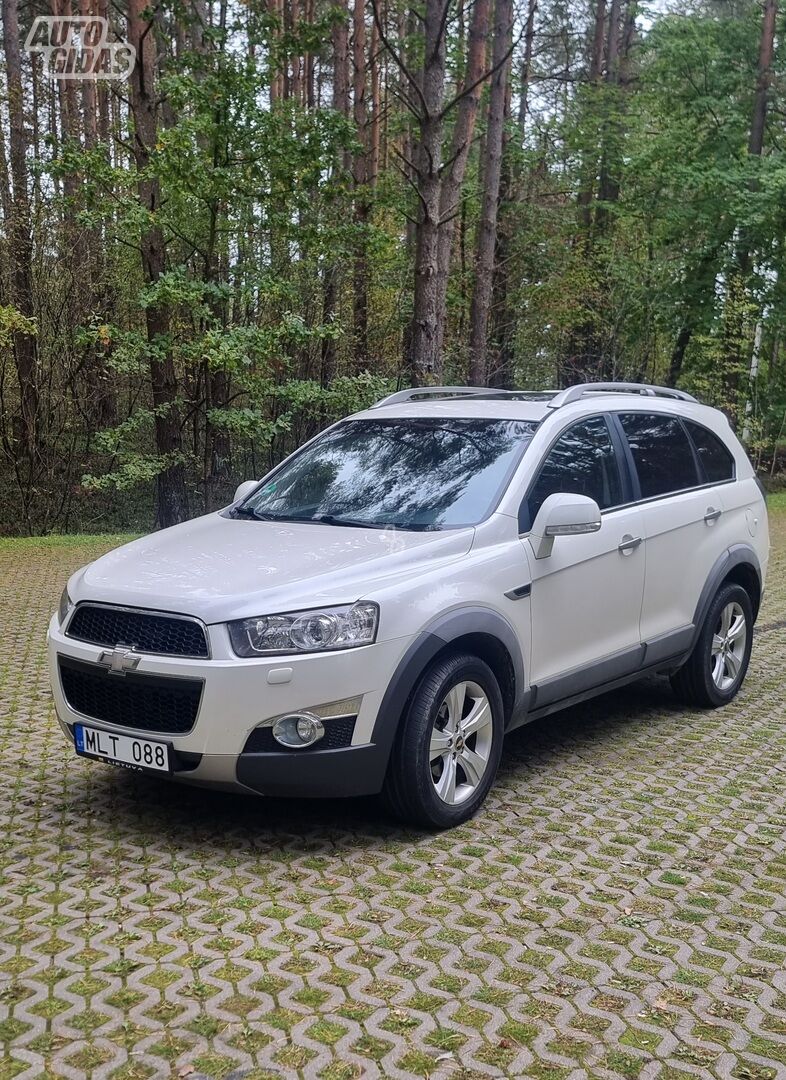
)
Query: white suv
[{"x": 414, "y": 582}]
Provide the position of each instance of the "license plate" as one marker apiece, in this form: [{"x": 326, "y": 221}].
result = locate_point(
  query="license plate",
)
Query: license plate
[{"x": 124, "y": 750}]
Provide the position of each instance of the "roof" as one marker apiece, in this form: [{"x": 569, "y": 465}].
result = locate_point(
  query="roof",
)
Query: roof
[{"x": 455, "y": 408}]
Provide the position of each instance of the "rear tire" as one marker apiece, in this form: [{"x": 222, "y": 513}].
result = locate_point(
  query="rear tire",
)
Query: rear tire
[
  {"x": 448, "y": 746},
  {"x": 715, "y": 670}
]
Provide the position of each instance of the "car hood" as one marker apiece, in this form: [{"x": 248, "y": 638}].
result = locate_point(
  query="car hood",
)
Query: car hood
[{"x": 220, "y": 568}]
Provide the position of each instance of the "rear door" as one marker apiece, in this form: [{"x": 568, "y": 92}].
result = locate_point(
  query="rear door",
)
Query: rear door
[
  {"x": 681, "y": 510},
  {"x": 586, "y": 596},
  {"x": 718, "y": 472}
]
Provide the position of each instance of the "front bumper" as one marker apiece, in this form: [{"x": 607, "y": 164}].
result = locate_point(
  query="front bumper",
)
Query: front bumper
[
  {"x": 356, "y": 770},
  {"x": 238, "y": 695}
]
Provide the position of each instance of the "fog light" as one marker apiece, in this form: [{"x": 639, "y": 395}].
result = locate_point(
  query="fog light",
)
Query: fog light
[{"x": 298, "y": 730}]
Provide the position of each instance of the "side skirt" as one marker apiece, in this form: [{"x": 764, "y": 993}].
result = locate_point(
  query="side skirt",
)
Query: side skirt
[
  {"x": 659, "y": 656},
  {"x": 660, "y": 668}
]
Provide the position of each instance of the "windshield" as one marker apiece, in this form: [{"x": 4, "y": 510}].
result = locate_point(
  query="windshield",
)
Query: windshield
[{"x": 425, "y": 473}]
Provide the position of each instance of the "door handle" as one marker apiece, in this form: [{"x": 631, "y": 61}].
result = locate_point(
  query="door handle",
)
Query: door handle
[
  {"x": 628, "y": 544},
  {"x": 712, "y": 515}
]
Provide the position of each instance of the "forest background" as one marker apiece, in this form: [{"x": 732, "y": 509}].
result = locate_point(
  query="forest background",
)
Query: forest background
[{"x": 292, "y": 207}]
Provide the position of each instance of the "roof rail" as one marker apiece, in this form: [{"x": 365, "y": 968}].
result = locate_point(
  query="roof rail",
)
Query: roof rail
[
  {"x": 413, "y": 393},
  {"x": 428, "y": 393},
  {"x": 574, "y": 393}
]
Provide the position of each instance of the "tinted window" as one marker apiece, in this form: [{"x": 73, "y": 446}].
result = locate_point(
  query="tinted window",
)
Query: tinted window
[
  {"x": 581, "y": 462},
  {"x": 662, "y": 453},
  {"x": 716, "y": 460},
  {"x": 409, "y": 473}
]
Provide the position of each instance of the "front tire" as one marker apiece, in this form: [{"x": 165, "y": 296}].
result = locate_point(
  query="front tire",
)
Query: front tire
[
  {"x": 714, "y": 672},
  {"x": 448, "y": 746}
]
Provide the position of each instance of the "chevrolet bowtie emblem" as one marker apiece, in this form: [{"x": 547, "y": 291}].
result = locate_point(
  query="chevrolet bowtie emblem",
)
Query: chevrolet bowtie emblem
[{"x": 120, "y": 660}]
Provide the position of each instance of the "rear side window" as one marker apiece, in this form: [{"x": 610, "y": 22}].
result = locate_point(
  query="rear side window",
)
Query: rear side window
[
  {"x": 581, "y": 462},
  {"x": 662, "y": 453},
  {"x": 715, "y": 458}
]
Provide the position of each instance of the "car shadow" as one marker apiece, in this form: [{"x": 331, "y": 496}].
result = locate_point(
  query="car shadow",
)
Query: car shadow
[
  {"x": 597, "y": 721},
  {"x": 155, "y": 811}
]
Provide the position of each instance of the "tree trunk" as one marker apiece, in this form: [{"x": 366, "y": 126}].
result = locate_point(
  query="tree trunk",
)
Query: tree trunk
[
  {"x": 423, "y": 358},
  {"x": 172, "y": 502},
  {"x": 487, "y": 232},
  {"x": 73, "y": 243},
  {"x": 503, "y": 311},
  {"x": 753, "y": 374},
  {"x": 526, "y": 67},
  {"x": 620, "y": 33},
  {"x": 456, "y": 165},
  {"x": 331, "y": 281},
  {"x": 376, "y": 107},
  {"x": 37, "y": 109},
  {"x": 88, "y": 85},
  {"x": 755, "y": 147},
  {"x": 678, "y": 353},
  {"x": 764, "y": 80},
  {"x": 276, "y": 11},
  {"x": 360, "y": 173},
  {"x": 340, "y": 41},
  {"x": 102, "y": 8},
  {"x": 310, "y": 98},
  {"x": 5, "y": 180},
  {"x": 589, "y": 160},
  {"x": 734, "y": 363},
  {"x": 297, "y": 79},
  {"x": 613, "y": 43},
  {"x": 20, "y": 242}
]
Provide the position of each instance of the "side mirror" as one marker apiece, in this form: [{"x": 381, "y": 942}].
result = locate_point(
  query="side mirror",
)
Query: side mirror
[
  {"x": 562, "y": 515},
  {"x": 244, "y": 489}
]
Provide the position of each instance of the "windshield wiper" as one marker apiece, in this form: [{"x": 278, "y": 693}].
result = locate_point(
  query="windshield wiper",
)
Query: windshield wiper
[
  {"x": 259, "y": 515},
  {"x": 318, "y": 519},
  {"x": 348, "y": 522}
]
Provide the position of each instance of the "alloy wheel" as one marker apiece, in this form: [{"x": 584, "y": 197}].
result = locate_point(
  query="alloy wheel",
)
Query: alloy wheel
[
  {"x": 728, "y": 646},
  {"x": 461, "y": 741}
]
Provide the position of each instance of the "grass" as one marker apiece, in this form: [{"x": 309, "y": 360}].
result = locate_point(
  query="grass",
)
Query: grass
[{"x": 65, "y": 541}]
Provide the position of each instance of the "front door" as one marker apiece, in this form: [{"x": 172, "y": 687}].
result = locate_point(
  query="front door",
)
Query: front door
[{"x": 586, "y": 596}]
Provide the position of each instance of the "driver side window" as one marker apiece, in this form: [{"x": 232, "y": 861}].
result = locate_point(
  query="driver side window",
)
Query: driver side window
[{"x": 581, "y": 462}]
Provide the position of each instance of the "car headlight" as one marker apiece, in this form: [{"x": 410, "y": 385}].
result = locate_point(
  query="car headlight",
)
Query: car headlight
[
  {"x": 64, "y": 607},
  {"x": 306, "y": 631}
]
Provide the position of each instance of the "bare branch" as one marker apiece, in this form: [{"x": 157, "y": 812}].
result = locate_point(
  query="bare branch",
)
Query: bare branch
[
  {"x": 406, "y": 160},
  {"x": 445, "y": 218},
  {"x": 415, "y": 188},
  {"x": 405, "y": 101},
  {"x": 443, "y": 21},
  {"x": 454, "y": 156},
  {"x": 486, "y": 75},
  {"x": 398, "y": 59}
]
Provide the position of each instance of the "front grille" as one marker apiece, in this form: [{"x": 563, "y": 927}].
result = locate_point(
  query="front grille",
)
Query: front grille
[
  {"x": 133, "y": 700},
  {"x": 146, "y": 631},
  {"x": 338, "y": 734}
]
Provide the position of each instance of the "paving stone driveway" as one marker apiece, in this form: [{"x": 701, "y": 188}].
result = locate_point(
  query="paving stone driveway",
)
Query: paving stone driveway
[{"x": 616, "y": 911}]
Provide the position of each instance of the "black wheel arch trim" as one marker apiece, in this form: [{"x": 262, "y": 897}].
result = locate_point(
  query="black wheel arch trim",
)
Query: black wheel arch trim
[
  {"x": 736, "y": 555},
  {"x": 477, "y": 619},
  {"x": 429, "y": 643},
  {"x": 360, "y": 770}
]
